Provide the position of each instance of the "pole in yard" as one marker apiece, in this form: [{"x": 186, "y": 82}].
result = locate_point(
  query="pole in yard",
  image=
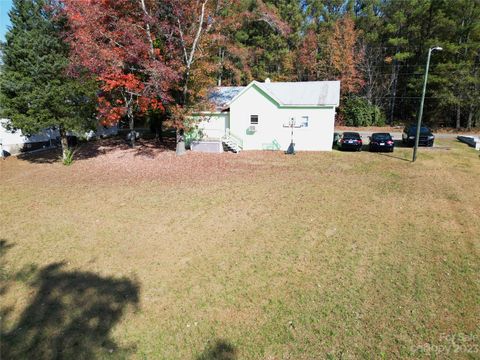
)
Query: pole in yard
[
  {"x": 420, "y": 113},
  {"x": 291, "y": 147}
]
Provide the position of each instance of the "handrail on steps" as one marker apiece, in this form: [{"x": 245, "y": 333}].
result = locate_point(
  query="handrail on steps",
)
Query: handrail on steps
[{"x": 235, "y": 138}]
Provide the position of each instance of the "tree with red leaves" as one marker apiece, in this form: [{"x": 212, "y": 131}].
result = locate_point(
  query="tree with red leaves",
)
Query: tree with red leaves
[
  {"x": 143, "y": 52},
  {"x": 116, "y": 40},
  {"x": 149, "y": 54}
]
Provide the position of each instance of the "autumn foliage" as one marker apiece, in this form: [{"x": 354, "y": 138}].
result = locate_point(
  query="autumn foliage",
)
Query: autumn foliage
[
  {"x": 344, "y": 57},
  {"x": 158, "y": 55},
  {"x": 308, "y": 57},
  {"x": 115, "y": 40},
  {"x": 153, "y": 55}
]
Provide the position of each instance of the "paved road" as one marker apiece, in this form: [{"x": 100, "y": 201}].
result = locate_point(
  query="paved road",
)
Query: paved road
[{"x": 398, "y": 135}]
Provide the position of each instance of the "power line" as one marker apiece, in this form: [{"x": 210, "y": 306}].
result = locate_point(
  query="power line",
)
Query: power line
[
  {"x": 419, "y": 65},
  {"x": 409, "y": 97}
]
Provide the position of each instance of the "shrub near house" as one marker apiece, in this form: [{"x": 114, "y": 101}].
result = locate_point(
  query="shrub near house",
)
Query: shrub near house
[{"x": 358, "y": 112}]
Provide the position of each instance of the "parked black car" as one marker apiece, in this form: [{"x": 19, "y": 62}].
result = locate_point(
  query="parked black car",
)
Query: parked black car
[
  {"x": 410, "y": 132},
  {"x": 381, "y": 142},
  {"x": 350, "y": 141}
]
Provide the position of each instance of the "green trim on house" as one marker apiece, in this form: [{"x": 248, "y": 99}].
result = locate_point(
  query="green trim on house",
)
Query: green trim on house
[
  {"x": 280, "y": 106},
  {"x": 205, "y": 114},
  {"x": 266, "y": 95},
  {"x": 306, "y": 107}
]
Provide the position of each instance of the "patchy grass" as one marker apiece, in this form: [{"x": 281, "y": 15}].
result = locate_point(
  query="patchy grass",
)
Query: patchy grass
[{"x": 140, "y": 254}]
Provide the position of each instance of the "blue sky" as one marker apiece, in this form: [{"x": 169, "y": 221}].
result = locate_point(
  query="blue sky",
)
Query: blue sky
[{"x": 5, "y": 6}]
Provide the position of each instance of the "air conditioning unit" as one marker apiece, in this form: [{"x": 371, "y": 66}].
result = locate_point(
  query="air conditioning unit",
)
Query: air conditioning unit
[{"x": 252, "y": 129}]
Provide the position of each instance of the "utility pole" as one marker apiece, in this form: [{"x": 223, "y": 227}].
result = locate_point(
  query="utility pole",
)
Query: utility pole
[{"x": 420, "y": 113}]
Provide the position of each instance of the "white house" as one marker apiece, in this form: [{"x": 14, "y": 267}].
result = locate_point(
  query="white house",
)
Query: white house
[
  {"x": 264, "y": 115},
  {"x": 13, "y": 141}
]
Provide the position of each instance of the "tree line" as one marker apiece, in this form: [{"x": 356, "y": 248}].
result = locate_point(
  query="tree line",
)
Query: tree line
[{"x": 69, "y": 63}]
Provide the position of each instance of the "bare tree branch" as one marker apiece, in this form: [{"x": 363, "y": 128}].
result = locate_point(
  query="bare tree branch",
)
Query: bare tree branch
[{"x": 147, "y": 29}]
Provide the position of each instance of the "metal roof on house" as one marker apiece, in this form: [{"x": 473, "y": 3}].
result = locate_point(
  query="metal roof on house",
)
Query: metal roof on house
[
  {"x": 316, "y": 93},
  {"x": 306, "y": 93},
  {"x": 222, "y": 95}
]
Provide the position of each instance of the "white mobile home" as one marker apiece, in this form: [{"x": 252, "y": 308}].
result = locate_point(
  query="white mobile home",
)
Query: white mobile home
[
  {"x": 264, "y": 115},
  {"x": 13, "y": 141}
]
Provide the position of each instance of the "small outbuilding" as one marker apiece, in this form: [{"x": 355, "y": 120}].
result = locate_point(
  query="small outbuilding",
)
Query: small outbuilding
[{"x": 266, "y": 116}]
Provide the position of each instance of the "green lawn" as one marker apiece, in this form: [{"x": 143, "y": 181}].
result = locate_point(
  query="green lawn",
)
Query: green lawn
[{"x": 142, "y": 255}]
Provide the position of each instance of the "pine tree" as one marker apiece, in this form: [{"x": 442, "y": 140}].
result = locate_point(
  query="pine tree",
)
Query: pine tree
[
  {"x": 370, "y": 25},
  {"x": 266, "y": 36},
  {"x": 455, "y": 82},
  {"x": 35, "y": 90}
]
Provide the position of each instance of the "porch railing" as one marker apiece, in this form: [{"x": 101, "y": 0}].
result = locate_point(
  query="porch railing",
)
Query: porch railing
[{"x": 235, "y": 138}]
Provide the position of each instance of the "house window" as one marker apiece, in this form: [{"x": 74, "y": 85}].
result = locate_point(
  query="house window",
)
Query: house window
[
  {"x": 304, "y": 121},
  {"x": 254, "y": 119}
]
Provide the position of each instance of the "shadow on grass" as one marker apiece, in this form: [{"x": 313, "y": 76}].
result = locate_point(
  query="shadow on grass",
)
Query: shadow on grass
[
  {"x": 144, "y": 148},
  {"x": 219, "y": 350},
  {"x": 151, "y": 148},
  {"x": 398, "y": 144},
  {"x": 366, "y": 148},
  {"x": 69, "y": 317},
  {"x": 394, "y": 157},
  {"x": 402, "y": 145},
  {"x": 4, "y": 246},
  {"x": 47, "y": 156}
]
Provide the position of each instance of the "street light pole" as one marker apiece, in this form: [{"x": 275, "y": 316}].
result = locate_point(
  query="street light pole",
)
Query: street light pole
[{"x": 420, "y": 113}]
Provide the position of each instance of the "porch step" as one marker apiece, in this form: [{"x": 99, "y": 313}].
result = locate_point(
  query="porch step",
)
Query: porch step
[{"x": 231, "y": 145}]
